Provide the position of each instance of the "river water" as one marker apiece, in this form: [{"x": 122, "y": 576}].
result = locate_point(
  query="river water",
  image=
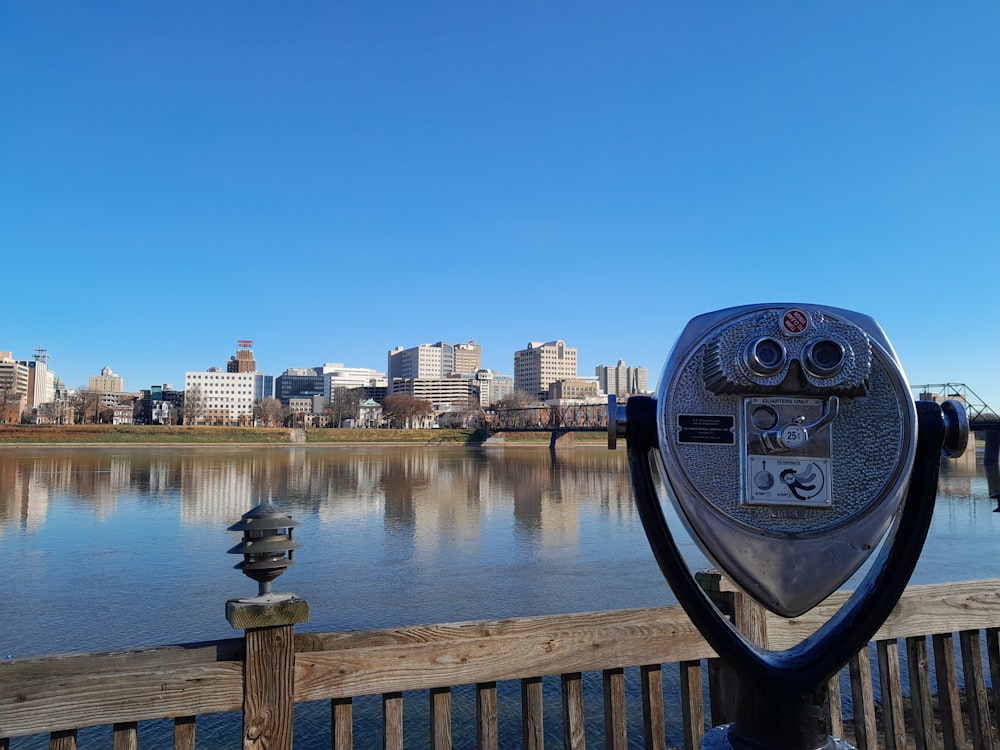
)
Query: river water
[{"x": 106, "y": 548}]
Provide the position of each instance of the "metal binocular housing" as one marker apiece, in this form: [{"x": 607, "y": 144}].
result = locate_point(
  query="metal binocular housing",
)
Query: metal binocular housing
[
  {"x": 787, "y": 435},
  {"x": 788, "y": 442}
]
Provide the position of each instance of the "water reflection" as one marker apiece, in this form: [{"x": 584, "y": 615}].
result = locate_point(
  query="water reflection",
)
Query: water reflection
[{"x": 390, "y": 536}]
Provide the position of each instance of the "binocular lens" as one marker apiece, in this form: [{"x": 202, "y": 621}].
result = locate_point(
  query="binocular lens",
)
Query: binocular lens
[
  {"x": 765, "y": 356},
  {"x": 824, "y": 357}
]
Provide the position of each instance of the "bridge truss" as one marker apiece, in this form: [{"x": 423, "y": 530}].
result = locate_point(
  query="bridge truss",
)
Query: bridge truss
[
  {"x": 980, "y": 413},
  {"x": 549, "y": 417},
  {"x": 594, "y": 417}
]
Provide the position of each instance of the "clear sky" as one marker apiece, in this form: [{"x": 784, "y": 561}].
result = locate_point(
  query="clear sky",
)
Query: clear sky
[{"x": 334, "y": 179}]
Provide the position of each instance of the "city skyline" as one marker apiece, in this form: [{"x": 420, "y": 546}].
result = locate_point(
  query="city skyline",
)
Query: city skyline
[
  {"x": 114, "y": 370},
  {"x": 335, "y": 180}
]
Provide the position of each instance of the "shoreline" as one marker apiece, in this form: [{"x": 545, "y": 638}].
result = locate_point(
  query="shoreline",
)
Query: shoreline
[{"x": 40, "y": 436}]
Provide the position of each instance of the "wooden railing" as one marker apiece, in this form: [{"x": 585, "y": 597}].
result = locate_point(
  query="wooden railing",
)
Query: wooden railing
[{"x": 57, "y": 695}]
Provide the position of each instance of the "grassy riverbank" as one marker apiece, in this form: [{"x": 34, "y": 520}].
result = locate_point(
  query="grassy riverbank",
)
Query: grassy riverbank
[{"x": 154, "y": 434}]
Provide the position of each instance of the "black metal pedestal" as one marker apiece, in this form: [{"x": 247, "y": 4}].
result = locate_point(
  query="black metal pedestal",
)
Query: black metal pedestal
[{"x": 780, "y": 691}]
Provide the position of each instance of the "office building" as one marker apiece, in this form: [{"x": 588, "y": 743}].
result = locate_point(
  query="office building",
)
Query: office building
[
  {"x": 214, "y": 397},
  {"x": 106, "y": 382},
  {"x": 13, "y": 389},
  {"x": 41, "y": 380},
  {"x": 465, "y": 359},
  {"x": 243, "y": 361},
  {"x": 572, "y": 389},
  {"x": 443, "y": 393},
  {"x": 263, "y": 386},
  {"x": 540, "y": 364},
  {"x": 621, "y": 380},
  {"x": 335, "y": 376},
  {"x": 493, "y": 386},
  {"x": 298, "y": 383},
  {"x": 438, "y": 360}
]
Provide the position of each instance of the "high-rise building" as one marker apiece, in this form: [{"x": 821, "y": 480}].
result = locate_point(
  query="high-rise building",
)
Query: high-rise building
[
  {"x": 438, "y": 360},
  {"x": 466, "y": 358},
  {"x": 621, "y": 380},
  {"x": 243, "y": 361},
  {"x": 41, "y": 380},
  {"x": 106, "y": 382},
  {"x": 538, "y": 365},
  {"x": 493, "y": 386},
  {"x": 298, "y": 383},
  {"x": 13, "y": 388},
  {"x": 214, "y": 397}
]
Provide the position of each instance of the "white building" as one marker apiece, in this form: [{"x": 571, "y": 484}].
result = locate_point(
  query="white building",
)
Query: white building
[
  {"x": 539, "y": 365},
  {"x": 438, "y": 360},
  {"x": 335, "y": 375},
  {"x": 443, "y": 393},
  {"x": 215, "y": 397},
  {"x": 493, "y": 386}
]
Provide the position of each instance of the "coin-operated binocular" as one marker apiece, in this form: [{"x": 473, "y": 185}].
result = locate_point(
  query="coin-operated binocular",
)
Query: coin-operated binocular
[{"x": 791, "y": 448}]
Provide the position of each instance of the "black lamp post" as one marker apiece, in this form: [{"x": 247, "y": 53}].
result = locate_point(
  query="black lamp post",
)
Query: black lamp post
[{"x": 268, "y": 546}]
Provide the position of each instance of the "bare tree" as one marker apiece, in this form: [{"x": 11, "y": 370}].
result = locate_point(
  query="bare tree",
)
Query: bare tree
[
  {"x": 472, "y": 414},
  {"x": 269, "y": 412},
  {"x": 403, "y": 410},
  {"x": 519, "y": 409},
  {"x": 344, "y": 403},
  {"x": 194, "y": 405},
  {"x": 52, "y": 412},
  {"x": 10, "y": 402},
  {"x": 86, "y": 406}
]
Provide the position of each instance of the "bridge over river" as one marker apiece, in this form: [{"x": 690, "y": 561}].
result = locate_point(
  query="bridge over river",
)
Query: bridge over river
[
  {"x": 983, "y": 419},
  {"x": 561, "y": 419}
]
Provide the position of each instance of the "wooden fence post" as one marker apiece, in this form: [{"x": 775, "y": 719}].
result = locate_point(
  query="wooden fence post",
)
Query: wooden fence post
[{"x": 268, "y": 667}]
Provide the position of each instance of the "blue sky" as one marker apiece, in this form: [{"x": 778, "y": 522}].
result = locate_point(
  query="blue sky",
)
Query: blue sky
[{"x": 332, "y": 180}]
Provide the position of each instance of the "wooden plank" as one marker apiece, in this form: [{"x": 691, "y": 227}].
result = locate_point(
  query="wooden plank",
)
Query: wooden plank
[
  {"x": 440, "y": 721},
  {"x": 615, "y": 711},
  {"x": 123, "y": 660},
  {"x": 720, "y": 678},
  {"x": 53, "y": 694},
  {"x": 993, "y": 653},
  {"x": 975, "y": 691},
  {"x": 392, "y": 721},
  {"x": 692, "y": 703},
  {"x": 920, "y": 693},
  {"x": 487, "y": 737},
  {"x": 654, "y": 725},
  {"x": 268, "y": 685},
  {"x": 891, "y": 683},
  {"x": 184, "y": 732},
  {"x": 949, "y": 699},
  {"x": 532, "y": 730},
  {"x": 124, "y": 736},
  {"x": 342, "y": 723},
  {"x": 574, "y": 737},
  {"x": 922, "y": 610},
  {"x": 63, "y": 740},
  {"x": 420, "y": 658},
  {"x": 45, "y": 694},
  {"x": 863, "y": 698},
  {"x": 834, "y": 707}
]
